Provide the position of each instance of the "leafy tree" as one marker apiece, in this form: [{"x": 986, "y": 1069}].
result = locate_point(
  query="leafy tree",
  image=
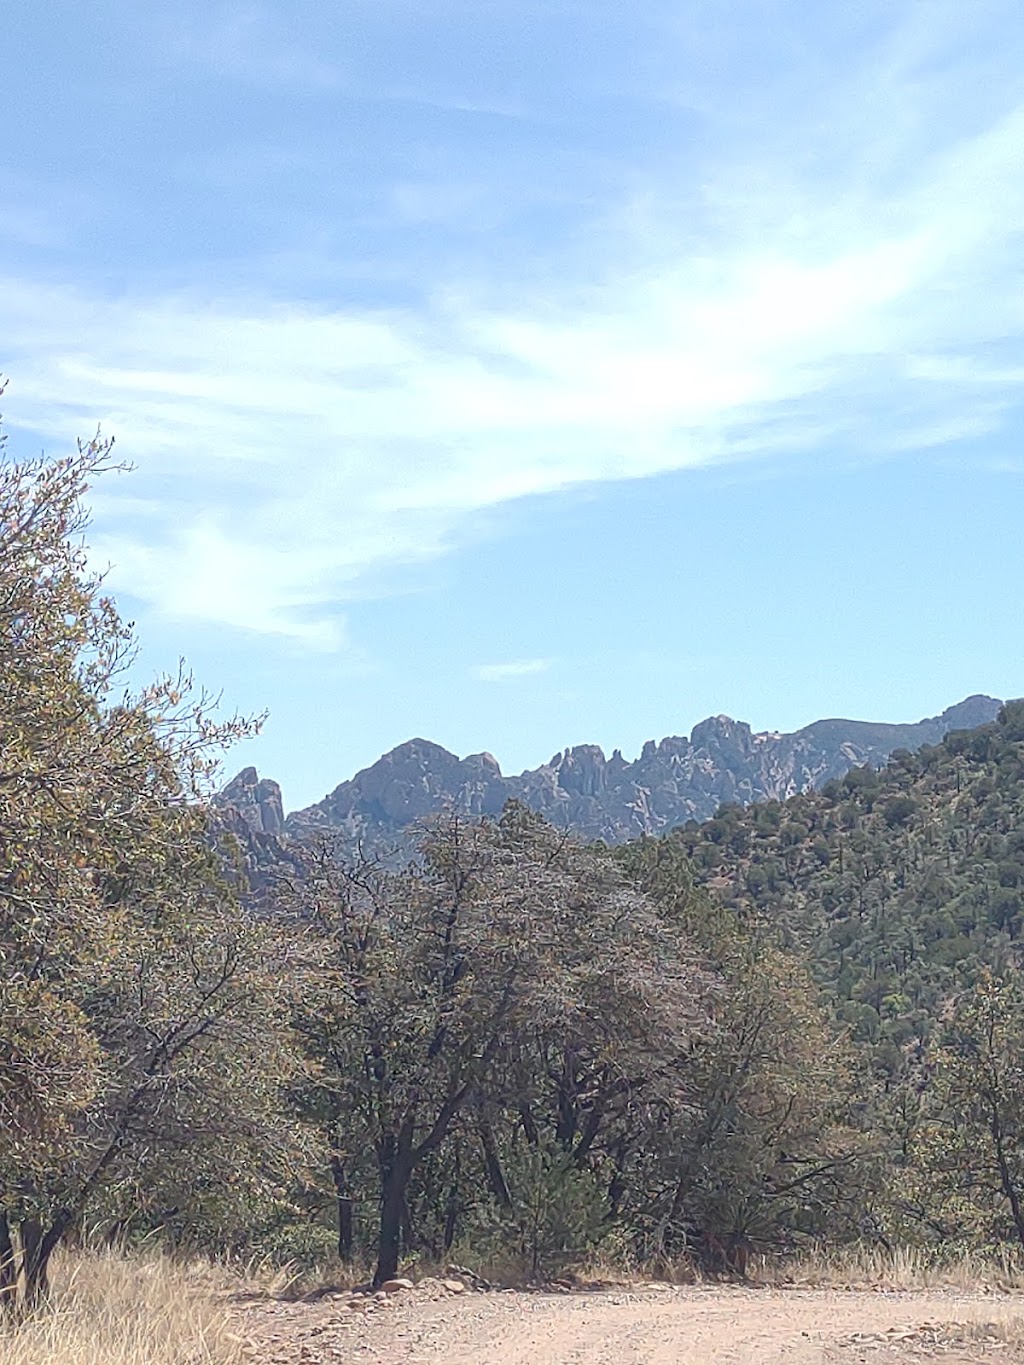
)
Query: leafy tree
[
  {"x": 137, "y": 1002},
  {"x": 970, "y": 1141},
  {"x": 509, "y": 972},
  {"x": 765, "y": 1154},
  {"x": 558, "y": 1210}
]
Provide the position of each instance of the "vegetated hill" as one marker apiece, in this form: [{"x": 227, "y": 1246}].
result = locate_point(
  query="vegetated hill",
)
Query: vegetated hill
[
  {"x": 901, "y": 883},
  {"x": 673, "y": 781}
]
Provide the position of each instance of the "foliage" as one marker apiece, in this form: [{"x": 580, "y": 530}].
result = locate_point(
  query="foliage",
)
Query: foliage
[
  {"x": 138, "y": 1020},
  {"x": 509, "y": 976},
  {"x": 767, "y": 1154},
  {"x": 561, "y": 1209},
  {"x": 969, "y": 1145},
  {"x": 904, "y": 891},
  {"x": 894, "y": 882}
]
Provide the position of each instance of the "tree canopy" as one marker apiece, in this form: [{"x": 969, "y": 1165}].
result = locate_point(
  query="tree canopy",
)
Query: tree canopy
[{"x": 135, "y": 1011}]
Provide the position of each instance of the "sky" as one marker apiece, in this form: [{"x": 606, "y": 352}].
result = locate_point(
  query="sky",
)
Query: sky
[{"x": 525, "y": 373}]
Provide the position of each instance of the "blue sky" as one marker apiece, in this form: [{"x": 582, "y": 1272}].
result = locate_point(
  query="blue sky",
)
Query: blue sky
[{"x": 522, "y": 374}]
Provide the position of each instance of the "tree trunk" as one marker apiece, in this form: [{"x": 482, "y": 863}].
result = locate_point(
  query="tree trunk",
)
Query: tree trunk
[
  {"x": 617, "y": 1184},
  {"x": 8, "y": 1267},
  {"x": 409, "y": 1240},
  {"x": 36, "y": 1249},
  {"x": 392, "y": 1206},
  {"x": 492, "y": 1165},
  {"x": 395, "y": 1161},
  {"x": 1005, "y": 1175},
  {"x": 343, "y": 1204},
  {"x": 567, "y": 1117},
  {"x": 451, "y": 1219},
  {"x": 397, "y": 1156},
  {"x": 530, "y": 1131},
  {"x": 451, "y": 1215},
  {"x": 35, "y": 1260}
]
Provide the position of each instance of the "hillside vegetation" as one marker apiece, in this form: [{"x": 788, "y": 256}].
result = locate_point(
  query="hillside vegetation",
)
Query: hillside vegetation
[
  {"x": 903, "y": 890},
  {"x": 899, "y": 884}
]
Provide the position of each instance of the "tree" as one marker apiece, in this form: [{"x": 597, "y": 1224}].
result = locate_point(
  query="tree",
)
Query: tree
[
  {"x": 507, "y": 971},
  {"x": 968, "y": 1157},
  {"x": 758, "y": 1151},
  {"x": 138, "y": 1011}
]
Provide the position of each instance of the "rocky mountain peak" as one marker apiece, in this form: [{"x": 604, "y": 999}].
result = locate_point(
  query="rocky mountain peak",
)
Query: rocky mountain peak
[
  {"x": 968, "y": 714},
  {"x": 582, "y": 770},
  {"x": 257, "y": 800},
  {"x": 485, "y": 762},
  {"x": 722, "y": 733},
  {"x": 672, "y": 781}
]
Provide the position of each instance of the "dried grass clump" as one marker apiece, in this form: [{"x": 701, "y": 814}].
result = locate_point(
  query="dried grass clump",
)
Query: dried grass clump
[
  {"x": 858, "y": 1267},
  {"x": 108, "y": 1309}
]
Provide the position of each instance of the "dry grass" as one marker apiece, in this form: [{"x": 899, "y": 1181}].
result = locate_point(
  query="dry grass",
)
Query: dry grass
[
  {"x": 1000, "y": 1270},
  {"x": 1006, "y": 1333},
  {"x": 109, "y": 1309},
  {"x": 907, "y": 1268},
  {"x": 315, "y": 1282}
]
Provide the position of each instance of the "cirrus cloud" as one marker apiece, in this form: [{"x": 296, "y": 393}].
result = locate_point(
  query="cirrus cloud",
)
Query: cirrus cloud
[
  {"x": 292, "y": 454},
  {"x": 515, "y": 668}
]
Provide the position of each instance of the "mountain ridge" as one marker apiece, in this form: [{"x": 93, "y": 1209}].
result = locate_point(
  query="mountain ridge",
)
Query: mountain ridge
[{"x": 676, "y": 779}]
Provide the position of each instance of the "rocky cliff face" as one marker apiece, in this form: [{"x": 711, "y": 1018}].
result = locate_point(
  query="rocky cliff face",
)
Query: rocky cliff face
[
  {"x": 673, "y": 781},
  {"x": 257, "y": 801},
  {"x": 250, "y": 808}
]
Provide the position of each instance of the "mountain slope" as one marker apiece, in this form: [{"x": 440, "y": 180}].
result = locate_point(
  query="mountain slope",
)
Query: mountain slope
[
  {"x": 678, "y": 779},
  {"x": 900, "y": 883}
]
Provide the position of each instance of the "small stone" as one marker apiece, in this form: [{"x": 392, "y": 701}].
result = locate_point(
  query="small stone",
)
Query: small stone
[
  {"x": 396, "y": 1286},
  {"x": 454, "y": 1286}
]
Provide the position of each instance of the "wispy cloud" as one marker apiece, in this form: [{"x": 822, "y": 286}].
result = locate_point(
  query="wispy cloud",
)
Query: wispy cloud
[
  {"x": 290, "y": 453},
  {"x": 515, "y": 668}
]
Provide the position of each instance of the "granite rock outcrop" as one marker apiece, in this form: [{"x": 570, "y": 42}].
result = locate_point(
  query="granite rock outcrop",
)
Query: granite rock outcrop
[{"x": 596, "y": 797}]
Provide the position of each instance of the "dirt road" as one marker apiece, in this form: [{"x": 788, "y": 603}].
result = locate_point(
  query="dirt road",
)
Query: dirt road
[{"x": 648, "y": 1326}]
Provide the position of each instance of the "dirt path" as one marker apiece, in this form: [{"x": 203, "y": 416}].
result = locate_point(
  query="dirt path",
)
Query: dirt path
[{"x": 689, "y": 1326}]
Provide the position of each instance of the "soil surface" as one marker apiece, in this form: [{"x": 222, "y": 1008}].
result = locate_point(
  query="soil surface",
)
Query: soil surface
[{"x": 648, "y": 1325}]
